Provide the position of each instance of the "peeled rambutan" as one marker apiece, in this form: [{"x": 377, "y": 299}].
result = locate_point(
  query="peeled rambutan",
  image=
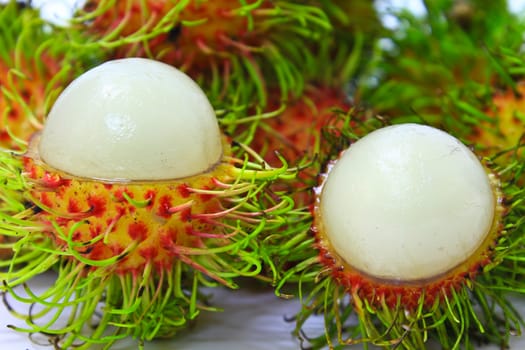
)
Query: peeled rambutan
[
  {"x": 411, "y": 230},
  {"x": 137, "y": 198}
]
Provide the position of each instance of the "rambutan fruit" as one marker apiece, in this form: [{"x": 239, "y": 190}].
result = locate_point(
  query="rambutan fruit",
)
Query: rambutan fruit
[
  {"x": 233, "y": 48},
  {"x": 411, "y": 234},
  {"x": 504, "y": 127},
  {"x": 296, "y": 127},
  {"x": 36, "y": 61},
  {"x": 294, "y": 131},
  {"x": 438, "y": 70},
  {"x": 26, "y": 67},
  {"x": 137, "y": 198}
]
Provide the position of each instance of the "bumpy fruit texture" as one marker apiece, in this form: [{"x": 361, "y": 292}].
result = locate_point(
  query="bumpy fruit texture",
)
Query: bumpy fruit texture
[
  {"x": 221, "y": 32},
  {"x": 506, "y": 127},
  {"x": 126, "y": 17},
  {"x": 203, "y": 29},
  {"x": 141, "y": 224},
  {"x": 235, "y": 49},
  {"x": 295, "y": 133},
  {"x": 25, "y": 98}
]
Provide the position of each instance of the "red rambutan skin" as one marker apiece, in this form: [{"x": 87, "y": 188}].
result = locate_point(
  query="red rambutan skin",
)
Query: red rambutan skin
[
  {"x": 297, "y": 129},
  {"x": 205, "y": 30},
  {"x": 144, "y": 223},
  {"x": 32, "y": 92},
  {"x": 406, "y": 294},
  {"x": 508, "y": 121},
  {"x": 296, "y": 134}
]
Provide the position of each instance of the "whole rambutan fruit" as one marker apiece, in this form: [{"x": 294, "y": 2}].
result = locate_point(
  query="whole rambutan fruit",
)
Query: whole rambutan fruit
[
  {"x": 137, "y": 198},
  {"x": 412, "y": 232},
  {"x": 26, "y": 68},
  {"x": 234, "y": 48},
  {"x": 294, "y": 131},
  {"x": 504, "y": 126}
]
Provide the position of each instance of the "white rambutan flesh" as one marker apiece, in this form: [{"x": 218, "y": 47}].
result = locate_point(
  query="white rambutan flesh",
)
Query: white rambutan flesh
[
  {"x": 132, "y": 119},
  {"x": 406, "y": 203}
]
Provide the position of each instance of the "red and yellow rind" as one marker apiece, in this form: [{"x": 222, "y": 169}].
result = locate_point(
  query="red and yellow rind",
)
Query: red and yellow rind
[
  {"x": 296, "y": 134},
  {"x": 297, "y": 130},
  {"x": 138, "y": 223},
  {"x": 31, "y": 89},
  {"x": 408, "y": 295},
  {"x": 203, "y": 29},
  {"x": 508, "y": 124}
]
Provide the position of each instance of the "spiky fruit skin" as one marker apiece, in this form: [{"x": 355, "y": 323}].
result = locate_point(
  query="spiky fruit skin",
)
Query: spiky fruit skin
[
  {"x": 296, "y": 131},
  {"x": 203, "y": 29},
  {"x": 378, "y": 292},
  {"x": 508, "y": 122},
  {"x": 296, "y": 134},
  {"x": 149, "y": 223},
  {"x": 129, "y": 16},
  {"x": 223, "y": 33},
  {"x": 235, "y": 49},
  {"x": 25, "y": 116}
]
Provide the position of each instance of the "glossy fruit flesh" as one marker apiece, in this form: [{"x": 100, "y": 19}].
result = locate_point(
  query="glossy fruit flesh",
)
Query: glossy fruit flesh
[
  {"x": 406, "y": 212},
  {"x": 132, "y": 119}
]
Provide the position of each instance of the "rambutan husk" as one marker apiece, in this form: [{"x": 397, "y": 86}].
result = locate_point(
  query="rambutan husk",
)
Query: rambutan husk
[
  {"x": 234, "y": 49},
  {"x": 36, "y": 61},
  {"x": 131, "y": 257},
  {"x": 468, "y": 304},
  {"x": 505, "y": 130}
]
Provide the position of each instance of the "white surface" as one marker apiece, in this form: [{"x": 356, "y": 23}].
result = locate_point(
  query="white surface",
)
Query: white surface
[
  {"x": 253, "y": 319},
  {"x": 132, "y": 119},
  {"x": 406, "y": 202}
]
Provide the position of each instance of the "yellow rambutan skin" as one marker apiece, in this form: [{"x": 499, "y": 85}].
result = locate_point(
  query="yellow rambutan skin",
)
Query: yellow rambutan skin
[
  {"x": 138, "y": 223},
  {"x": 507, "y": 124}
]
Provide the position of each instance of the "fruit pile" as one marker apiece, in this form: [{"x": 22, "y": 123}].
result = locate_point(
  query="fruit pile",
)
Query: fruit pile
[{"x": 151, "y": 149}]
